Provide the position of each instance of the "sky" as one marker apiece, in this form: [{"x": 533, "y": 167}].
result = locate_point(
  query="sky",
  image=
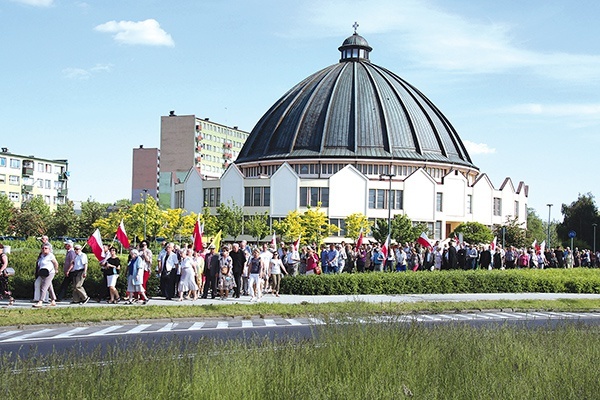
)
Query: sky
[{"x": 88, "y": 81}]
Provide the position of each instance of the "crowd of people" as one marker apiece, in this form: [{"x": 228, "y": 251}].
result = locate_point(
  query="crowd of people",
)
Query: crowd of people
[{"x": 237, "y": 269}]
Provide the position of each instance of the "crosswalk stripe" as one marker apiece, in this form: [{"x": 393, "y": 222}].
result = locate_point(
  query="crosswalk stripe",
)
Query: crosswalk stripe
[
  {"x": 138, "y": 328},
  {"x": 28, "y": 335},
  {"x": 424, "y": 317},
  {"x": 293, "y": 322},
  {"x": 196, "y": 326},
  {"x": 496, "y": 316},
  {"x": 167, "y": 327},
  {"x": 68, "y": 333},
  {"x": 246, "y": 323},
  {"x": 512, "y": 315},
  {"x": 270, "y": 322},
  {"x": 316, "y": 321},
  {"x": 106, "y": 330},
  {"x": 8, "y": 333},
  {"x": 222, "y": 325},
  {"x": 463, "y": 316}
]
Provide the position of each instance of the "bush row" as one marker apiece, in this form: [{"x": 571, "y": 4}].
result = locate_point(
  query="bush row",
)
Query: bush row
[{"x": 579, "y": 280}]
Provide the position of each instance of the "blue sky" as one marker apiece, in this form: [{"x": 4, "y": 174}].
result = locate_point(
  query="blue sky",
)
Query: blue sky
[{"x": 88, "y": 81}]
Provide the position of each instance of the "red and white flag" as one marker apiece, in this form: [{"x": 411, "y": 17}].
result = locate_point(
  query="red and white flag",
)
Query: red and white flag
[
  {"x": 493, "y": 244},
  {"x": 296, "y": 244},
  {"x": 274, "y": 241},
  {"x": 122, "y": 235},
  {"x": 386, "y": 246},
  {"x": 534, "y": 244},
  {"x": 359, "y": 241},
  {"x": 423, "y": 240},
  {"x": 543, "y": 247},
  {"x": 198, "y": 244},
  {"x": 95, "y": 242}
]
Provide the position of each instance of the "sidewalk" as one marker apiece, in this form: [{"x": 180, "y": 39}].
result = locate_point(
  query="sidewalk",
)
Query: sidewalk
[{"x": 298, "y": 299}]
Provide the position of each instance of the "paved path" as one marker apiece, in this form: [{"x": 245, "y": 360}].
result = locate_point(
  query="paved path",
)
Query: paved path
[{"x": 297, "y": 299}]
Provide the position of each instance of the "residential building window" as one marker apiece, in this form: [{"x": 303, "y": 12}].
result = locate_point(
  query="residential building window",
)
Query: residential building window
[
  {"x": 14, "y": 163},
  {"x": 497, "y": 206},
  {"x": 259, "y": 196},
  {"x": 437, "y": 235},
  {"x": 312, "y": 196},
  {"x": 47, "y": 184},
  {"x": 14, "y": 180},
  {"x": 341, "y": 224},
  {"x": 2, "y": 178},
  {"x": 49, "y": 168},
  {"x": 469, "y": 204},
  {"x": 180, "y": 199},
  {"x": 2, "y": 161},
  {"x": 439, "y": 200},
  {"x": 40, "y": 167},
  {"x": 212, "y": 197},
  {"x": 47, "y": 199},
  {"x": 516, "y": 209},
  {"x": 379, "y": 198},
  {"x": 14, "y": 196}
]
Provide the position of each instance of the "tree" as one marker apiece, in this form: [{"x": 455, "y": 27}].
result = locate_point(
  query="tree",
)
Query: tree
[
  {"x": 316, "y": 226},
  {"x": 173, "y": 224},
  {"x": 210, "y": 222},
  {"x": 514, "y": 234},
  {"x": 91, "y": 211},
  {"x": 231, "y": 219},
  {"x": 32, "y": 218},
  {"x": 64, "y": 221},
  {"x": 6, "y": 213},
  {"x": 474, "y": 232},
  {"x": 535, "y": 227},
  {"x": 355, "y": 223},
  {"x": 257, "y": 226},
  {"x": 403, "y": 229},
  {"x": 290, "y": 228},
  {"x": 579, "y": 216}
]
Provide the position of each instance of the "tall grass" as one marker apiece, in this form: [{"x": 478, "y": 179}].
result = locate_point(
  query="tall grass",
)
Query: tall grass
[{"x": 384, "y": 361}]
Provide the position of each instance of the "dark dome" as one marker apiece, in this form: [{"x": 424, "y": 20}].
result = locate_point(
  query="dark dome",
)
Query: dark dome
[{"x": 354, "y": 109}]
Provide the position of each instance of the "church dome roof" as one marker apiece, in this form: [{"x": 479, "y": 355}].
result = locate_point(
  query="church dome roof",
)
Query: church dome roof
[{"x": 354, "y": 109}]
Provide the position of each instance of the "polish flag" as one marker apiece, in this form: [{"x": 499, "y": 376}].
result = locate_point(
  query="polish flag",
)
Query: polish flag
[
  {"x": 95, "y": 242},
  {"x": 198, "y": 245},
  {"x": 423, "y": 240},
  {"x": 122, "y": 236},
  {"x": 385, "y": 247},
  {"x": 274, "y": 241},
  {"x": 543, "y": 247},
  {"x": 493, "y": 244},
  {"x": 296, "y": 244},
  {"x": 538, "y": 247},
  {"x": 359, "y": 241},
  {"x": 534, "y": 244}
]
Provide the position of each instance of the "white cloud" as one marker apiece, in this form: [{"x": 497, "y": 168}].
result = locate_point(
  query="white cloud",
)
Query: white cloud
[
  {"x": 146, "y": 32},
  {"x": 432, "y": 37},
  {"x": 478, "y": 148},
  {"x": 36, "y": 3},
  {"x": 85, "y": 74}
]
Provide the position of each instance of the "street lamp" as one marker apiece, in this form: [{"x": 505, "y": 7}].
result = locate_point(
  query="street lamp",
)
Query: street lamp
[
  {"x": 145, "y": 211},
  {"x": 549, "y": 210},
  {"x": 382, "y": 177},
  {"x": 594, "y": 246}
]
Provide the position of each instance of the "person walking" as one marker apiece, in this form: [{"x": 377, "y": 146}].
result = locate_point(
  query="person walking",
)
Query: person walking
[
  {"x": 187, "y": 283},
  {"x": 275, "y": 268},
  {"x": 111, "y": 270},
  {"x": 239, "y": 259},
  {"x": 46, "y": 269},
  {"x": 78, "y": 272},
  {"x": 4, "y": 292},
  {"x": 67, "y": 280}
]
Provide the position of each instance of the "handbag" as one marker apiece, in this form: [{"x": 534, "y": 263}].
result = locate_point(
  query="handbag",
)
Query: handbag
[
  {"x": 43, "y": 272},
  {"x": 8, "y": 271}
]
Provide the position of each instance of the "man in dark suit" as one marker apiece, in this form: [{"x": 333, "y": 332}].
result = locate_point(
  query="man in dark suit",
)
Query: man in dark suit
[
  {"x": 452, "y": 259},
  {"x": 239, "y": 259},
  {"x": 211, "y": 271}
]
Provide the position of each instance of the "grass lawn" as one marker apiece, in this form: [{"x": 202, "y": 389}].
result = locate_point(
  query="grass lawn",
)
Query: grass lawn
[
  {"x": 82, "y": 315},
  {"x": 379, "y": 361}
]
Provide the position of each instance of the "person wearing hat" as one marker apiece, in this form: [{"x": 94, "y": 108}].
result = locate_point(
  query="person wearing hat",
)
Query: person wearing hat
[
  {"x": 69, "y": 257},
  {"x": 78, "y": 273}
]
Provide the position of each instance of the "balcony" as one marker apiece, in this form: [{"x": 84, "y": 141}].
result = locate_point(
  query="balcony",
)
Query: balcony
[
  {"x": 26, "y": 188},
  {"x": 62, "y": 192},
  {"x": 27, "y": 171}
]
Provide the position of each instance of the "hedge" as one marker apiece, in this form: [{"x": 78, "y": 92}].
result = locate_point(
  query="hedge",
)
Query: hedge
[{"x": 578, "y": 280}]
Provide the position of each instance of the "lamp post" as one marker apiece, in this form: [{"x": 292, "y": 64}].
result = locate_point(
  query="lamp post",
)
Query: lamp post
[
  {"x": 389, "y": 176},
  {"x": 145, "y": 211},
  {"x": 549, "y": 211},
  {"x": 594, "y": 245}
]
